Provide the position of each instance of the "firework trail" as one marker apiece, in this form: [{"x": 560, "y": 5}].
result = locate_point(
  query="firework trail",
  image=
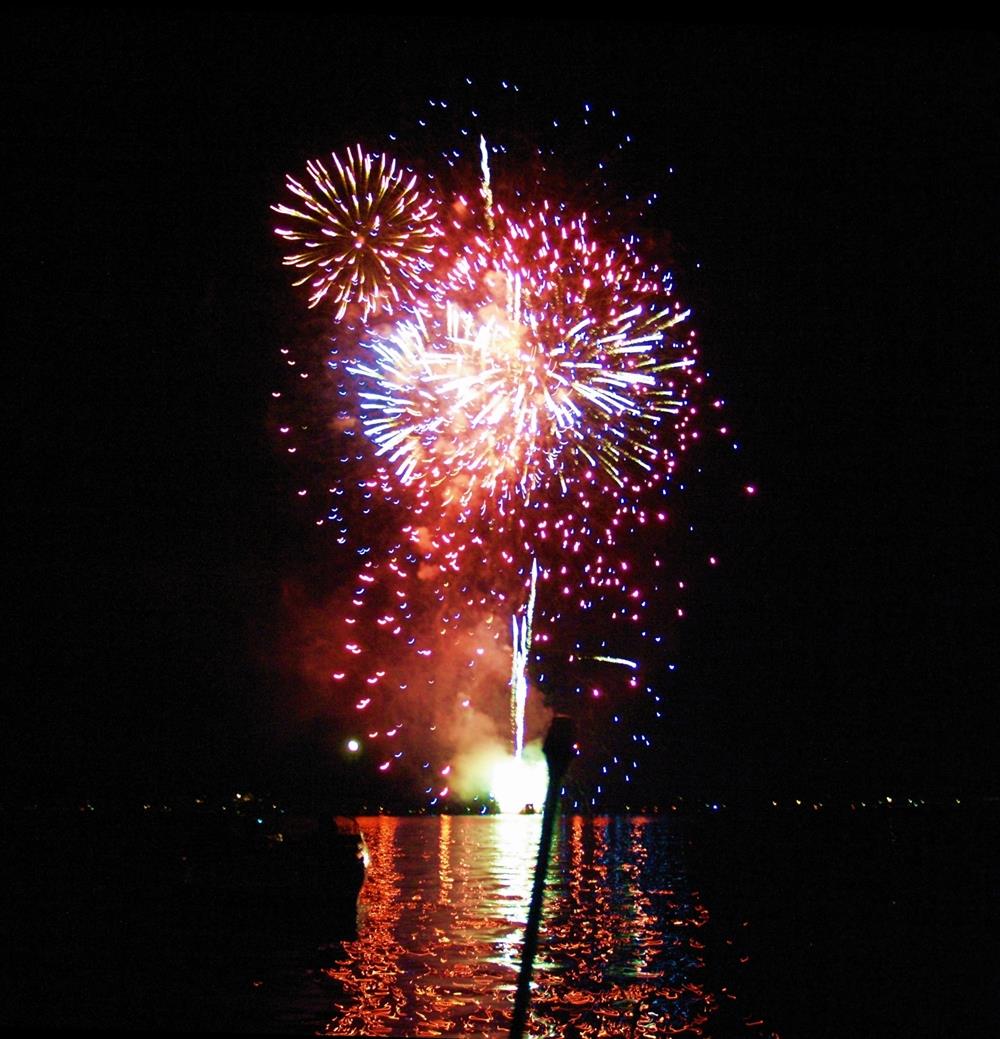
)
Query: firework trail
[
  {"x": 521, "y": 630},
  {"x": 526, "y": 380}
]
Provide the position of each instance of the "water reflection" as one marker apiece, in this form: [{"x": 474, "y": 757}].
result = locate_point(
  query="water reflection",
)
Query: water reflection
[
  {"x": 372, "y": 965},
  {"x": 444, "y": 909}
]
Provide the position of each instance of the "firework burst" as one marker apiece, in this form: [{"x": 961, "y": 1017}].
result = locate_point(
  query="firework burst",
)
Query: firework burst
[
  {"x": 550, "y": 358},
  {"x": 525, "y": 412},
  {"x": 361, "y": 235}
]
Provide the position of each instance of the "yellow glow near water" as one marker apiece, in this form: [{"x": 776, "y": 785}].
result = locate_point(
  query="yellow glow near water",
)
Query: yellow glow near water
[{"x": 517, "y": 782}]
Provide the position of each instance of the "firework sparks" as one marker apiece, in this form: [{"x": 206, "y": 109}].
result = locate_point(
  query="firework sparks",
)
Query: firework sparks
[
  {"x": 362, "y": 234},
  {"x": 488, "y": 401},
  {"x": 632, "y": 664},
  {"x": 524, "y": 411}
]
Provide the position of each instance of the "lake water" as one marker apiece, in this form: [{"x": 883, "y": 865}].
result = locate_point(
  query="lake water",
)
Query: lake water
[
  {"x": 622, "y": 948},
  {"x": 799, "y": 923}
]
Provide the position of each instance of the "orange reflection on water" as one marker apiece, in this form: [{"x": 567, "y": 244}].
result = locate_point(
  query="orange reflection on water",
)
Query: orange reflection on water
[
  {"x": 627, "y": 968},
  {"x": 371, "y": 967},
  {"x": 444, "y": 908},
  {"x": 444, "y": 860}
]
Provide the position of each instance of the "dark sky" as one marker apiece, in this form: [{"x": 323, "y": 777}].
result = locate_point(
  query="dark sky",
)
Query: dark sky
[{"x": 838, "y": 190}]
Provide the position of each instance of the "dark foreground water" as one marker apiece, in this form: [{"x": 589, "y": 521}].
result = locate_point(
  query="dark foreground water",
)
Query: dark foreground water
[{"x": 787, "y": 923}]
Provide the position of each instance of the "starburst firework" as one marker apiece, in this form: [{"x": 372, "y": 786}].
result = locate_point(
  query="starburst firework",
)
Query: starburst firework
[
  {"x": 361, "y": 235},
  {"x": 569, "y": 361}
]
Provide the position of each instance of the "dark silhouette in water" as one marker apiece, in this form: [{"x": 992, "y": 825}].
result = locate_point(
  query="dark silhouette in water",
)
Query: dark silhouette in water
[{"x": 558, "y": 749}]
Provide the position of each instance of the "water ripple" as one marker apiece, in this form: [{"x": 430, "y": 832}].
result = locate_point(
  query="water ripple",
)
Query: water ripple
[{"x": 442, "y": 922}]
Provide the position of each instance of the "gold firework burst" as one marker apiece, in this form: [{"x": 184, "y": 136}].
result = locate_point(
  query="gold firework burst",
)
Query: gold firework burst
[{"x": 362, "y": 234}]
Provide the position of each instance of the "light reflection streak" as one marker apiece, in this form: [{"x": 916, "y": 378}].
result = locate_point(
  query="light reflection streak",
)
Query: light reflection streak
[
  {"x": 444, "y": 861},
  {"x": 371, "y": 969}
]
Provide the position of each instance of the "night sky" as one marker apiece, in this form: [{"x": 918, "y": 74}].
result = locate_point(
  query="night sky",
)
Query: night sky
[{"x": 838, "y": 191}]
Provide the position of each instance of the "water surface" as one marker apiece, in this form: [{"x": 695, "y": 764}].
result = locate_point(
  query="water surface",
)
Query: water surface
[
  {"x": 801, "y": 922},
  {"x": 622, "y": 949}
]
